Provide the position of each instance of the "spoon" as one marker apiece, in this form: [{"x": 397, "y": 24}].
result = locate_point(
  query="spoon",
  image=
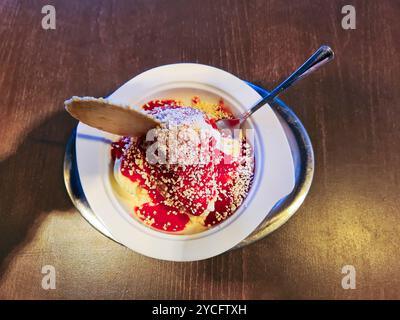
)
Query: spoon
[
  {"x": 101, "y": 114},
  {"x": 320, "y": 57}
]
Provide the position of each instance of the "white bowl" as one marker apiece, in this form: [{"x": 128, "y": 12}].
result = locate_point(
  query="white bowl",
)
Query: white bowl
[{"x": 274, "y": 171}]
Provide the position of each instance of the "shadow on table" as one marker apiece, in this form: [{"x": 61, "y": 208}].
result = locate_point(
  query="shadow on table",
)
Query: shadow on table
[{"x": 32, "y": 183}]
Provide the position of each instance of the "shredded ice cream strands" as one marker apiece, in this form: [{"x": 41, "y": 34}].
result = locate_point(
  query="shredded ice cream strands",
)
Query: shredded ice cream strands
[{"x": 171, "y": 117}]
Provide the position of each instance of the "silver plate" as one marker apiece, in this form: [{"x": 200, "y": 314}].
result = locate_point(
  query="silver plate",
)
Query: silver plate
[{"x": 303, "y": 157}]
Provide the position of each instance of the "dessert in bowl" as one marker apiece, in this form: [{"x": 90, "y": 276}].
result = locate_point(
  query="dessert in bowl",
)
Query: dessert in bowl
[
  {"x": 207, "y": 215},
  {"x": 199, "y": 176}
]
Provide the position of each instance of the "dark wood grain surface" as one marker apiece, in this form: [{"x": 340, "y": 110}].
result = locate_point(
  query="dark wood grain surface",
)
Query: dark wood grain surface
[{"x": 350, "y": 109}]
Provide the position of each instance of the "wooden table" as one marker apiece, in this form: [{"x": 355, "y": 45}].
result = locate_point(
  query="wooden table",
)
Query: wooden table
[{"x": 350, "y": 108}]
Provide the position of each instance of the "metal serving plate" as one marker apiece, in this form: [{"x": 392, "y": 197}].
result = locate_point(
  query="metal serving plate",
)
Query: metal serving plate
[{"x": 303, "y": 157}]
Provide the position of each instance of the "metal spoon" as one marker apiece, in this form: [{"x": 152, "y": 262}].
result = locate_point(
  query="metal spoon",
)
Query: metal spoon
[{"x": 320, "y": 57}]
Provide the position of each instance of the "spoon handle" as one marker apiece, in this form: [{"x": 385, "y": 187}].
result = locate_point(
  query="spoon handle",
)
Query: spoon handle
[{"x": 320, "y": 57}]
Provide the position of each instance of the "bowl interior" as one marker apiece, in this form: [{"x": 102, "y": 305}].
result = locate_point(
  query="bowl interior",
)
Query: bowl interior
[{"x": 185, "y": 92}]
